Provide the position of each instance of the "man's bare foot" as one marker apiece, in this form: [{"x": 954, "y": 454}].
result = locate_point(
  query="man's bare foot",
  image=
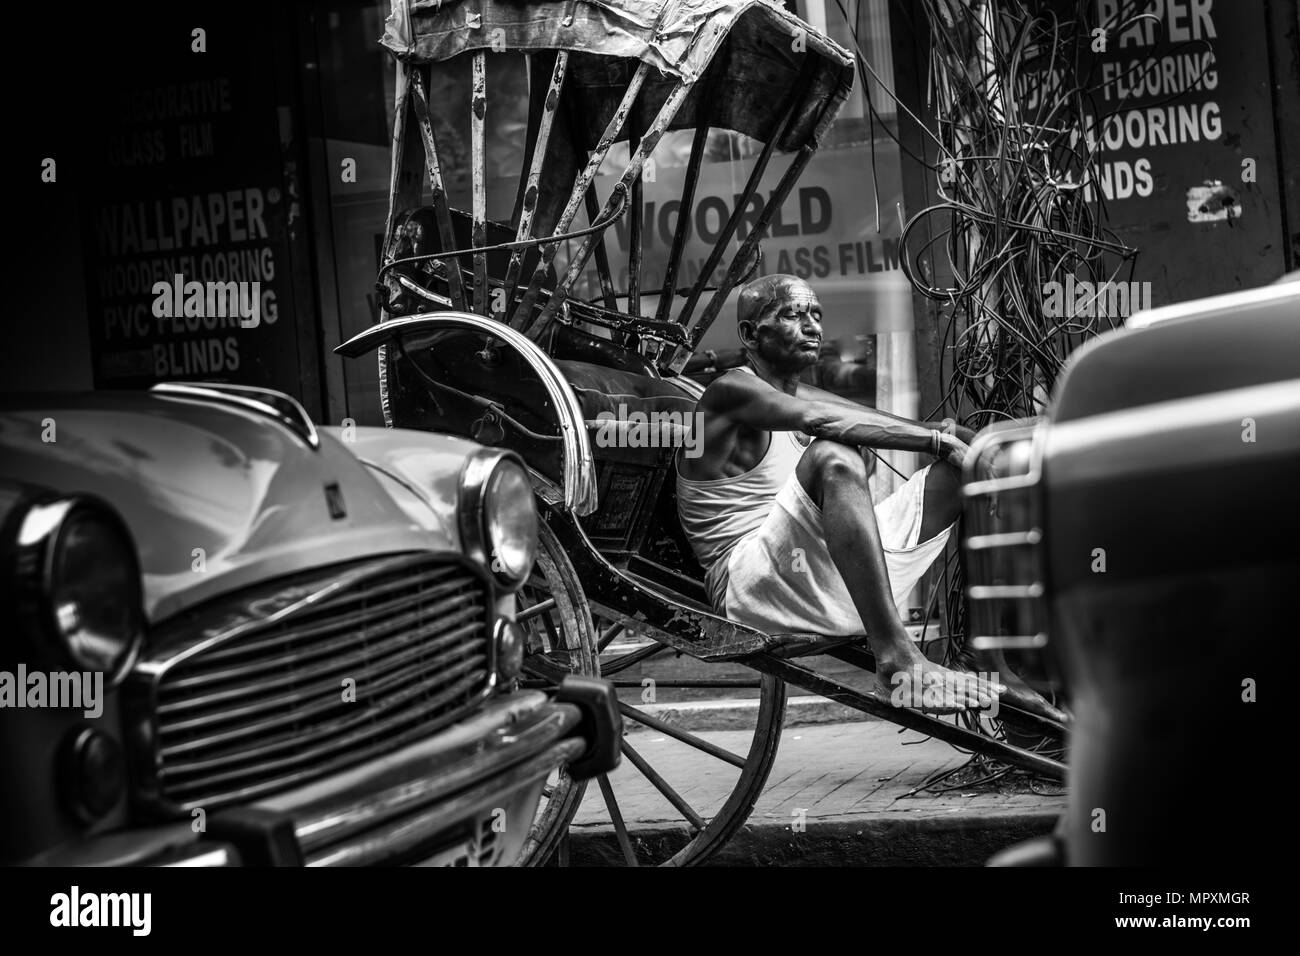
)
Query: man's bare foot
[
  {"x": 1019, "y": 697},
  {"x": 910, "y": 680},
  {"x": 1025, "y": 699}
]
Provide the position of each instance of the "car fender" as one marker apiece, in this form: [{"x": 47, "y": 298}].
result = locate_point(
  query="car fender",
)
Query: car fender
[{"x": 421, "y": 470}]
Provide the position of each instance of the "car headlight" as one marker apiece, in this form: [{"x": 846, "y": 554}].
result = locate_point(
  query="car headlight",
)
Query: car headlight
[
  {"x": 498, "y": 516},
  {"x": 78, "y": 583}
]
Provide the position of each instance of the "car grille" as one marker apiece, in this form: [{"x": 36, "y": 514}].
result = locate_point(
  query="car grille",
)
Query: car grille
[
  {"x": 268, "y": 708},
  {"x": 1003, "y": 543}
]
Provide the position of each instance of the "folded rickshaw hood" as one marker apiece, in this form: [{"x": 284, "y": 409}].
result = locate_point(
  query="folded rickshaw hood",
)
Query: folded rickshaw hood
[{"x": 757, "y": 45}]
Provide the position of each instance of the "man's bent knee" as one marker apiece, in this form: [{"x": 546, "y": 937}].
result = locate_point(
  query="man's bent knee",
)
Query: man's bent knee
[
  {"x": 828, "y": 461},
  {"x": 833, "y": 458}
]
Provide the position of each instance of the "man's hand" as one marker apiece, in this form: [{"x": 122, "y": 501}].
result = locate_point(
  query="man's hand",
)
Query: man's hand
[
  {"x": 949, "y": 426},
  {"x": 953, "y": 450}
]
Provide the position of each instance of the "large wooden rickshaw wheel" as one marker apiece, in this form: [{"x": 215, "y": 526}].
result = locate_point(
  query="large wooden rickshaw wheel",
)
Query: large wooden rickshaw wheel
[{"x": 563, "y": 637}]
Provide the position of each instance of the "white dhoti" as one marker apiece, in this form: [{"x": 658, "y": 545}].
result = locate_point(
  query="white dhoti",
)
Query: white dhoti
[{"x": 780, "y": 578}]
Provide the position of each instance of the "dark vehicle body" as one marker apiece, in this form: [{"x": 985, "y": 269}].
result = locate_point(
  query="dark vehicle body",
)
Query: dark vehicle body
[{"x": 1145, "y": 535}]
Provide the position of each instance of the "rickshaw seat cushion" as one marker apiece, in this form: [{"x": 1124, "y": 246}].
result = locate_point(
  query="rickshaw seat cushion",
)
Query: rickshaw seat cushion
[{"x": 617, "y": 392}]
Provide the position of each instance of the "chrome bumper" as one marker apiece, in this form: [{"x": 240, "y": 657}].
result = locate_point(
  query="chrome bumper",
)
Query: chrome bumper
[
  {"x": 490, "y": 768},
  {"x": 466, "y": 796}
]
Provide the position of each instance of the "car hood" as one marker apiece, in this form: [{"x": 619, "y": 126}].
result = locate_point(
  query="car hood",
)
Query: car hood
[{"x": 217, "y": 498}]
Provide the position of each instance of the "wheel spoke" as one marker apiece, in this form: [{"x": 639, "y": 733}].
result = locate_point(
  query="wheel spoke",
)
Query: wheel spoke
[
  {"x": 536, "y": 609},
  {"x": 607, "y": 637},
  {"x": 624, "y": 661},
  {"x": 662, "y": 786},
  {"x": 713, "y": 750},
  {"x": 620, "y": 828},
  {"x": 557, "y": 643}
]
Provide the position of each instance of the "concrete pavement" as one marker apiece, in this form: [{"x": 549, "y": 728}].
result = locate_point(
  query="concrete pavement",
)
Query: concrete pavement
[{"x": 838, "y": 794}]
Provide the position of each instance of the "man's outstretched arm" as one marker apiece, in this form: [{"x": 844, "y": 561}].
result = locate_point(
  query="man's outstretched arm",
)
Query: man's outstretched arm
[
  {"x": 750, "y": 401},
  {"x": 812, "y": 393}
]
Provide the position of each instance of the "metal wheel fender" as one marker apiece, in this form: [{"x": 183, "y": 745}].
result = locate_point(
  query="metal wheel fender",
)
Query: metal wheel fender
[{"x": 579, "y": 491}]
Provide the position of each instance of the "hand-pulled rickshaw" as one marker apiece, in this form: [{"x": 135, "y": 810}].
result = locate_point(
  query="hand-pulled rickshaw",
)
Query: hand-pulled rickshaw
[{"x": 491, "y": 333}]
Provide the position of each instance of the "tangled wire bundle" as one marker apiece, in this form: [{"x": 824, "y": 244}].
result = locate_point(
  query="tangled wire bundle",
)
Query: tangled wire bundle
[{"x": 1017, "y": 95}]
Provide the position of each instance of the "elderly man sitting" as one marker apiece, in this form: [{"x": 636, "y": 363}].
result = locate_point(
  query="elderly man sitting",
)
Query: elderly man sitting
[{"x": 778, "y": 509}]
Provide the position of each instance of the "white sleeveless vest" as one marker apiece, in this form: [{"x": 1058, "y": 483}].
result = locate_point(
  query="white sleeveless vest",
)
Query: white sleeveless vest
[{"x": 716, "y": 514}]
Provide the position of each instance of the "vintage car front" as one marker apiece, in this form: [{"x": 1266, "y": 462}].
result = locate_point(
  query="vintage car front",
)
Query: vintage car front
[
  {"x": 234, "y": 638},
  {"x": 1138, "y": 542}
]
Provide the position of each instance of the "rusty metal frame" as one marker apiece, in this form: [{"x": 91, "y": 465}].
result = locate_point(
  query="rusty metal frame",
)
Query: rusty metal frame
[
  {"x": 528, "y": 199},
  {"x": 441, "y": 210},
  {"x": 535, "y": 109},
  {"x": 788, "y": 115},
  {"x": 403, "y": 192},
  {"x": 630, "y": 173},
  {"x": 699, "y": 142},
  {"x": 635, "y": 222},
  {"x": 403, "y": 183},
  {"x": 728, "y": 230},
  {"x": 478, "y": 157},
  {"x": 603, "y": 272},
  {"x": 742, "y": 260},
  {"x": 519, "y": 318}
]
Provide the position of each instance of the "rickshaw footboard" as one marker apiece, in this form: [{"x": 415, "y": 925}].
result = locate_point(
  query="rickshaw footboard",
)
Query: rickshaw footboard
[{"x": 806, "y": 679}]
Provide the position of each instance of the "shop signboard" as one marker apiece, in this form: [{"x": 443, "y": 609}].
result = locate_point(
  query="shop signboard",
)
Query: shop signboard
[{"x": 188, "y": 225}]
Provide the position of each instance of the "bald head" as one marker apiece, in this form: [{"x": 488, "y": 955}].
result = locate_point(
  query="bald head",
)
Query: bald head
[
  {"x": 767, "y": 295},
  {"x": 778, "y": 320}
]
